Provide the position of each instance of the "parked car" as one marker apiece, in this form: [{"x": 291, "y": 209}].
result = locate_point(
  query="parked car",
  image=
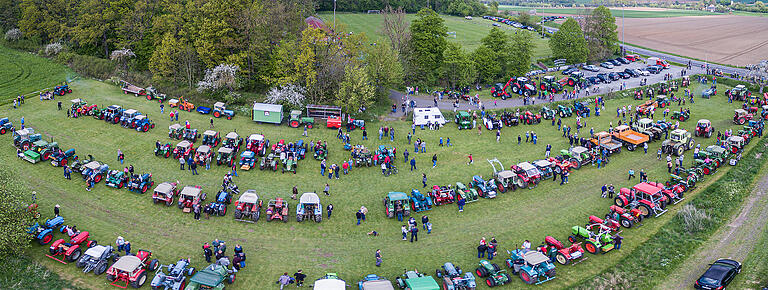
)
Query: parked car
[
  {"x": 653, "y": 69},
  {"x": 604, "y": 77},
  {"x": 614, "y": 62},
  {"x": 594, "y": 80},
  {"x": 607, "y": 65},
  {"x": 591, "y": 67},
  {"x": 719, "y": 274},
  {"x": 614, "y": 76},
  {"x": 632, "y": 72},
  {"x": 570, "y": 70},
  {"x": 643, "y": 72},
  {"x": 624, "y": 75},
  {"x": 622, "y": 60}
]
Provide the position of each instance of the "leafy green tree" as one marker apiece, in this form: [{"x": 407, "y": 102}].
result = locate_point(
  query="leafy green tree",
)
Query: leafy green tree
[
  {"x": 427, "y": 44},
  {"x": 493, "y": 8},
  {"x": 487, "y": 67},
  {"x": 569, "y": 43},
  {"x": 458, "y": 69},
  {"x": 356, "y": 90},
  {"x": 384, "y": 67},
  {"x": 14, "y": 215},
  {"x": 521, "y": 50},
  {"x": 602, "y": 37},
  {"x": 524, "y": 18},
  {"x": 497, "y": 41}
]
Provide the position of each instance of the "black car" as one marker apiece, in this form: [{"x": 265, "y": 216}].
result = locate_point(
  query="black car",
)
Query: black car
[
  {"x": 653, "y": 69},
  {"x": 604, "y": 77},
  {"x": 631, "y": 72},
  {"x": 624, "y": 75},
  {"x": 614, "y": 62},
  {"x": 594, "y": 80},
  {"x": 719, "y": 274},
  {"x": 622, "y": 60},
  {"x": 614, "y": 76}
]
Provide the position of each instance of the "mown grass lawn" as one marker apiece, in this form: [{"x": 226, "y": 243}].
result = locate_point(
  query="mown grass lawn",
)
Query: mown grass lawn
[
  {"x": 335, "y": 245},
  {"x": 23, "y": 73},
  {"x": 468, "y": 33}
]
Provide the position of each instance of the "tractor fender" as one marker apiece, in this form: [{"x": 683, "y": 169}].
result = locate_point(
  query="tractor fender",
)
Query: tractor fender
[
  {"x": 71, "y": 249},
  {"x": 621, "y": 201},
  {"x": 648, "y": 203},
  {"x": 57, "y": 243}
]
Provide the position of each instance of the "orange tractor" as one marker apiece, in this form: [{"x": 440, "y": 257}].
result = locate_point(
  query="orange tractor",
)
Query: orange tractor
[{"x": 182, "y": 104}]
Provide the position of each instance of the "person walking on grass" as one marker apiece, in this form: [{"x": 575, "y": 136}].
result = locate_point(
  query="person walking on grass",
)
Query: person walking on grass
[
  {"x": 470, "y": 159},
  {"x": 299, "y": 276},
  {"x": 329, "y": 209},
  {"x": 284, "y": 280},
  {"x": 413, "y": 164},
  {"x": 424, "y": 180},
  {"x": 378, "y": 258},
  {"x": 434, "y": 161},
  {"x": 327, "y": 190},
  {"x": 414, "y": 234},
  {"x": 404, "y": 231}
]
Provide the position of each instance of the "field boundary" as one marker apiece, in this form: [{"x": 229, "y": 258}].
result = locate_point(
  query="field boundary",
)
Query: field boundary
[{"x": 683, "y": 56}]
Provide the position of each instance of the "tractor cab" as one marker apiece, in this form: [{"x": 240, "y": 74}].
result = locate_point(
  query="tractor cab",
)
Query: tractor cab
[
  {"x": 704, "y": 128},
  {"x": 545, "y": 167},
  {"x": 220, "y": 109},
  {"x": 113, "y": 113},
  {"x": 132, "y": 269},
  {"x": 248, "y": 206},
  {"x": 277, "y": 209},
  {"x": 528, "y": 173},
  {"x": 645, "y": 197},
  {"x": 741, "y": 116},
  {"x": 716, "y": 151},
  {"x": 677, "y": 135},
  {"x": 662, "y": 100},
  {"x": 736, "y": 143},
  {"x": 189, "y": 197},
  {"x": 164, "y": 193},
  {"x": 203, "y": 152},
  {"x": 297, "y": 120},
  {"x": 309, "y": 208},
  {"x": 213, "y": 276},
  {"x": 533, "y": 266},
  {"x": 257, "y": 143},
  {"x": 211, "y": 138},
  {"x": 183, "y": 149},
  {"x": 224, "y": 156},
  {"x": 396, "y": 202},
  {"x": 232, "y": 140},
  {"x": 128, "y": 117},
  {"x": 191, "y": 135}
]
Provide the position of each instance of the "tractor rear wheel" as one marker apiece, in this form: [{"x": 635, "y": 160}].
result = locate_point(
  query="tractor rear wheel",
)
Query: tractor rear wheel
[
  {"x": 645, "y": 210},
  {"x": 496, "y": 267},
  {"x": 139, "y": 280},
  {"x": 490, "y": 282},
  {"x": 625, "y": 222},
  {"x": 481, "y": 272},
  {"x": 526, "y": 278},
  {"x": 590, "y": 247},
  {"x": 480, "y": 192},
  {"x": 575, "y": 163},
  {"x": 75, "y": 255},
  {"x": 561, "y": 259},
  {"x": 501, "y": 187},
  {"x": 45, "y": 239},
  {"x": 100, "y": 269}
]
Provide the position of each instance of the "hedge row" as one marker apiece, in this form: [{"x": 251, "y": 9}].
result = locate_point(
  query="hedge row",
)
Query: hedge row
[{"x": 675, "y": 241}]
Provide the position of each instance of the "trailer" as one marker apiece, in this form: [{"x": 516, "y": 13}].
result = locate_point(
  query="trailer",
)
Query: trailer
[
  {"x": 604, "y": 141},
  {"x": 267, "y": 113},
  {"x": 629, "y": 137},
  {"x": 128, "y": 88}
]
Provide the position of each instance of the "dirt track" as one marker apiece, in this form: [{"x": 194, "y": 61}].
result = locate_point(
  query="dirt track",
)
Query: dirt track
[
  {"x": 729, "y": 39},
  {"x": 736, "y": 240}
]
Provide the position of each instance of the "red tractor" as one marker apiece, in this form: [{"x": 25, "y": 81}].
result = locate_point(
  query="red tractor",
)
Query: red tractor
[
  {"x": 673, "y": 193},
  {"x": 608, "y": 222},
  {"x": 741, "y": 116},
  {"x": 165, "y": 193},
  {"x": 442, "y": 195},
  {"x": 626, "y": 217},
  {"x": 528, "y": 173},
  {"x": 560, "y": 166},
  {"x": 257, "y": 143},
  {"x": 132, "y": 269},
  {"x": 704, "y": 128},
  {"x": 565, "y": 255},
  {"x": 530, "y": 118},
  {"x": 645, "y": 197},
  {"x": 183, "y": 149},
  {"x": 277, "y": 209},
  {"x": 71, "y": 250},
  {"x": 189, "y": 197}
]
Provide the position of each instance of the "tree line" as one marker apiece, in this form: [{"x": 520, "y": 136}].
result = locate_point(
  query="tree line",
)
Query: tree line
[{"x": 450, "y": 7}]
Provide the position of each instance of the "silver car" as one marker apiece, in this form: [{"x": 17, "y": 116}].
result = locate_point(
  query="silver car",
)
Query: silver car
[
  {"x": 592, "y": 68},
  {"x": 607, "y": 65}
]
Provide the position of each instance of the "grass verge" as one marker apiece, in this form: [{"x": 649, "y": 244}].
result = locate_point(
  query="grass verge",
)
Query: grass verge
[{"x": 21, "y": 272}]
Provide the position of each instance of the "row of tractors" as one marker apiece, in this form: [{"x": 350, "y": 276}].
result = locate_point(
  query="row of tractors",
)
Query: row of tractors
[
  {"x": 219, "y": 109},
  {"x": 494, "y": 121},
  {"x": 115, "y": 114}
]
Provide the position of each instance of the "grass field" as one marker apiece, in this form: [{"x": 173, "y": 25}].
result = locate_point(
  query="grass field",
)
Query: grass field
[
  {"x": 628, "y": 13},
  {"x": 335, "y": 245},
  {"x": 468, "y": 32},
  {"x": 22, "y": 73}
]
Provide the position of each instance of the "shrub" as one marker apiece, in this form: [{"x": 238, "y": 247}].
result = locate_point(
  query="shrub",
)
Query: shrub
[
  {"x": 693, "y": 219},
  {"x": 13, "y": 34},
  {"x": 53, "y": 49},
  {"x": 86, "y": 65}
]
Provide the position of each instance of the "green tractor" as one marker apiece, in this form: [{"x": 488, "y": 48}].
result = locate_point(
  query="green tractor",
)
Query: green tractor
[
  {"x": 164, "y": 150},
  {"x": 321, "y": 151},
  {"x": 212, "y": 277},
  {"x": 396, "y": 201},
  {"x": 681, "y": 115},
  {"x": 463, "y": 120},
  {"x": 289, "y": 164},
  {"x": 550, "y": 84},
  {"x": 564, "y": 111},
  {"x": 414, "y": 280},
  {"x": 679, "y": 141},
  {"x": 707, "y": 166},
  {"x": 269, "y": 162},
  {"x": 493, "y": 274},
  {"x": 152, "y": 94},
  {"x": 547, "y": 113},
  {"x": 225, "y": 156},
  {"x": 24, "y": 138},
  {"x": 297, "y": 120},
  {"x": 601, "y": 242},
  {"x": 578, "y": 156},
  {"x": 467, "y": 194},
  {"x": 117, "y": 179}
]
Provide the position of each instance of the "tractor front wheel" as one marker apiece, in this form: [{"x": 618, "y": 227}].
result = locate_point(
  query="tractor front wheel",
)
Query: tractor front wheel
[
  {"x": 501, "y": 187},
  {"x": 526, "y": 278},
  {"x": 490, "y": 282}
]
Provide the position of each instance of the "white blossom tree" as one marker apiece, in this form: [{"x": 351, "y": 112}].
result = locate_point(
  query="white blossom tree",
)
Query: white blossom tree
[
  {"x": 223, "y": 76},
  {"x": 13, "y": 34},
  {"x": 121, "y": 56},
  {"x": 54, "y": 48},
  {"x": 289, "y": 95}
]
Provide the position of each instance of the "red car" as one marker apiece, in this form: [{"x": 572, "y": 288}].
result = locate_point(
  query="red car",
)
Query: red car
[{"x": 632, "y": 57}]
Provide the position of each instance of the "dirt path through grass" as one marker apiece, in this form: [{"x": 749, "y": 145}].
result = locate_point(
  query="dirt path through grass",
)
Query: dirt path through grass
[{"x": 736, "y": 240}]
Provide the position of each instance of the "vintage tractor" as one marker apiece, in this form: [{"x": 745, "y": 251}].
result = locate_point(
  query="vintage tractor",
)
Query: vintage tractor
[
  {"x": 176, "y": 131},
  {"x": 309, "y": 208},
  {"x": 493, "y": 274},
  {"x": 528, "y": 174},
  {"x": 257, "y": 143},
  {"x": 441, "y": 195},
  {"x": 486, "y": 189},
  {"x": 594, "y": 242},
  {"x": 97, "y": 259},
  {"x": 545, "y": 167},
  {"x": 716, "y": 153},
  {"x": 78, "y": 164},
  {"x": 117, "y": 179},
  {"x": 202, "y": 153},
  {"x": 182, "y": 104},
  {"x": 741, "y": 116},
  {"x": 211, "y": 138},
  {"x": 321, "y": 151},
  {"x": 95, "y": 169},
  {"x": 532, "y": 266},
  {"x": 578, "y": 156},
  {"x": 572, "y": 254},
  {"x": 547, "y": 113},
  {"x": 269, "y": 162},
  {"x": 191, "y": 135},
  {"x": 152, "y": 94},
  {"x": 710, "y": 92},
  {"x": 5, "y": 126},
  {"x": 248, "y": 207},
  {"x": 289, "y": 164},
  {"x": 43, "y": 234},
  {"x": 420, "y": 202},
  {"x": 704, "y": 128},
  {"x": 140, "y": 182},
  {"x": 176, "y": 278},
  {"x": 647, "y": 126},
  {"x": 213, "y": 276},
  {"x": 248, "y": 160},
  {"x": 233, "y": 141},
  {"x": 627, "y": 217},
  {"x": 220, "y": 109},
  {"x": 463, "y": 120},
  {"x": 454, "y": 279},
  {"x": 581, "y": 108},
  {"x": 564, "y": 111},
  {"x": 189, "y": 197},
  {"x": 736, "y": 144},
  {"x": 128, "y": 118},
  {"x": 225, "y": 156},
  {"x": 679, "y": 141},
  {"x": 396, "y": 201},
  {"x": 164, "y": 150},
  {"x": 72, "y": 249},
  {"x": 550, "y": 84},
  {"x": 183, "y": 149},
  {"x": 165, "y": 193},
  {"x": 681, "y": 115},
  {"x": 132, "y": 269},
  {"x": 297, "y": 120},
  {"x": 644, "y": 196},
  {"x": 362, "y": 156},
  {"x": 219, "y": 205},
  {"x": 509, "y": 119},
  {"x": 142, "y": 124},
  {"x": 505, "y": 179},
  {"x": 24, "y": 138},
  {"x": 529, "y": 118},
  {"x": 112, "y": 114},
  {"x": 414, "y": 280},
  {"x": 375, "y": 282},
  {"x": 491, "y": 122},
  {"x": 62, "y": 90},
  {"x": 277, "y": 209},
  {"x": 739, "y": 92},
  {"x": 466, "y": 194}
]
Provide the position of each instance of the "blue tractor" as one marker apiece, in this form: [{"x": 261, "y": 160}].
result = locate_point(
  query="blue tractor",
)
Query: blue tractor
[
  {"x": 299, "y": 149},
  {"x": 142, "y": 123},
  {"x": 454, "y": 279},
  {"x": 175, "y": 278},
  {"x": 95, "y": 169},
  {"x": 62, "y": 90},
  {"x": 44, "y": 233},
  {"x": 223, "y": 198},
  {"x": 485, "y": 188},
  {"x": 532, "y": 266},
  {"x": 5, "y": 126},
  {"x": 420, "y": 202},
  {"x": 141, "y": 182},
  {"x": 220, "y": 109}
]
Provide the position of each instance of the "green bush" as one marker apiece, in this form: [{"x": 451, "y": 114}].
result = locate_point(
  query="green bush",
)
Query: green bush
[{"x": 89, "y": 66}]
